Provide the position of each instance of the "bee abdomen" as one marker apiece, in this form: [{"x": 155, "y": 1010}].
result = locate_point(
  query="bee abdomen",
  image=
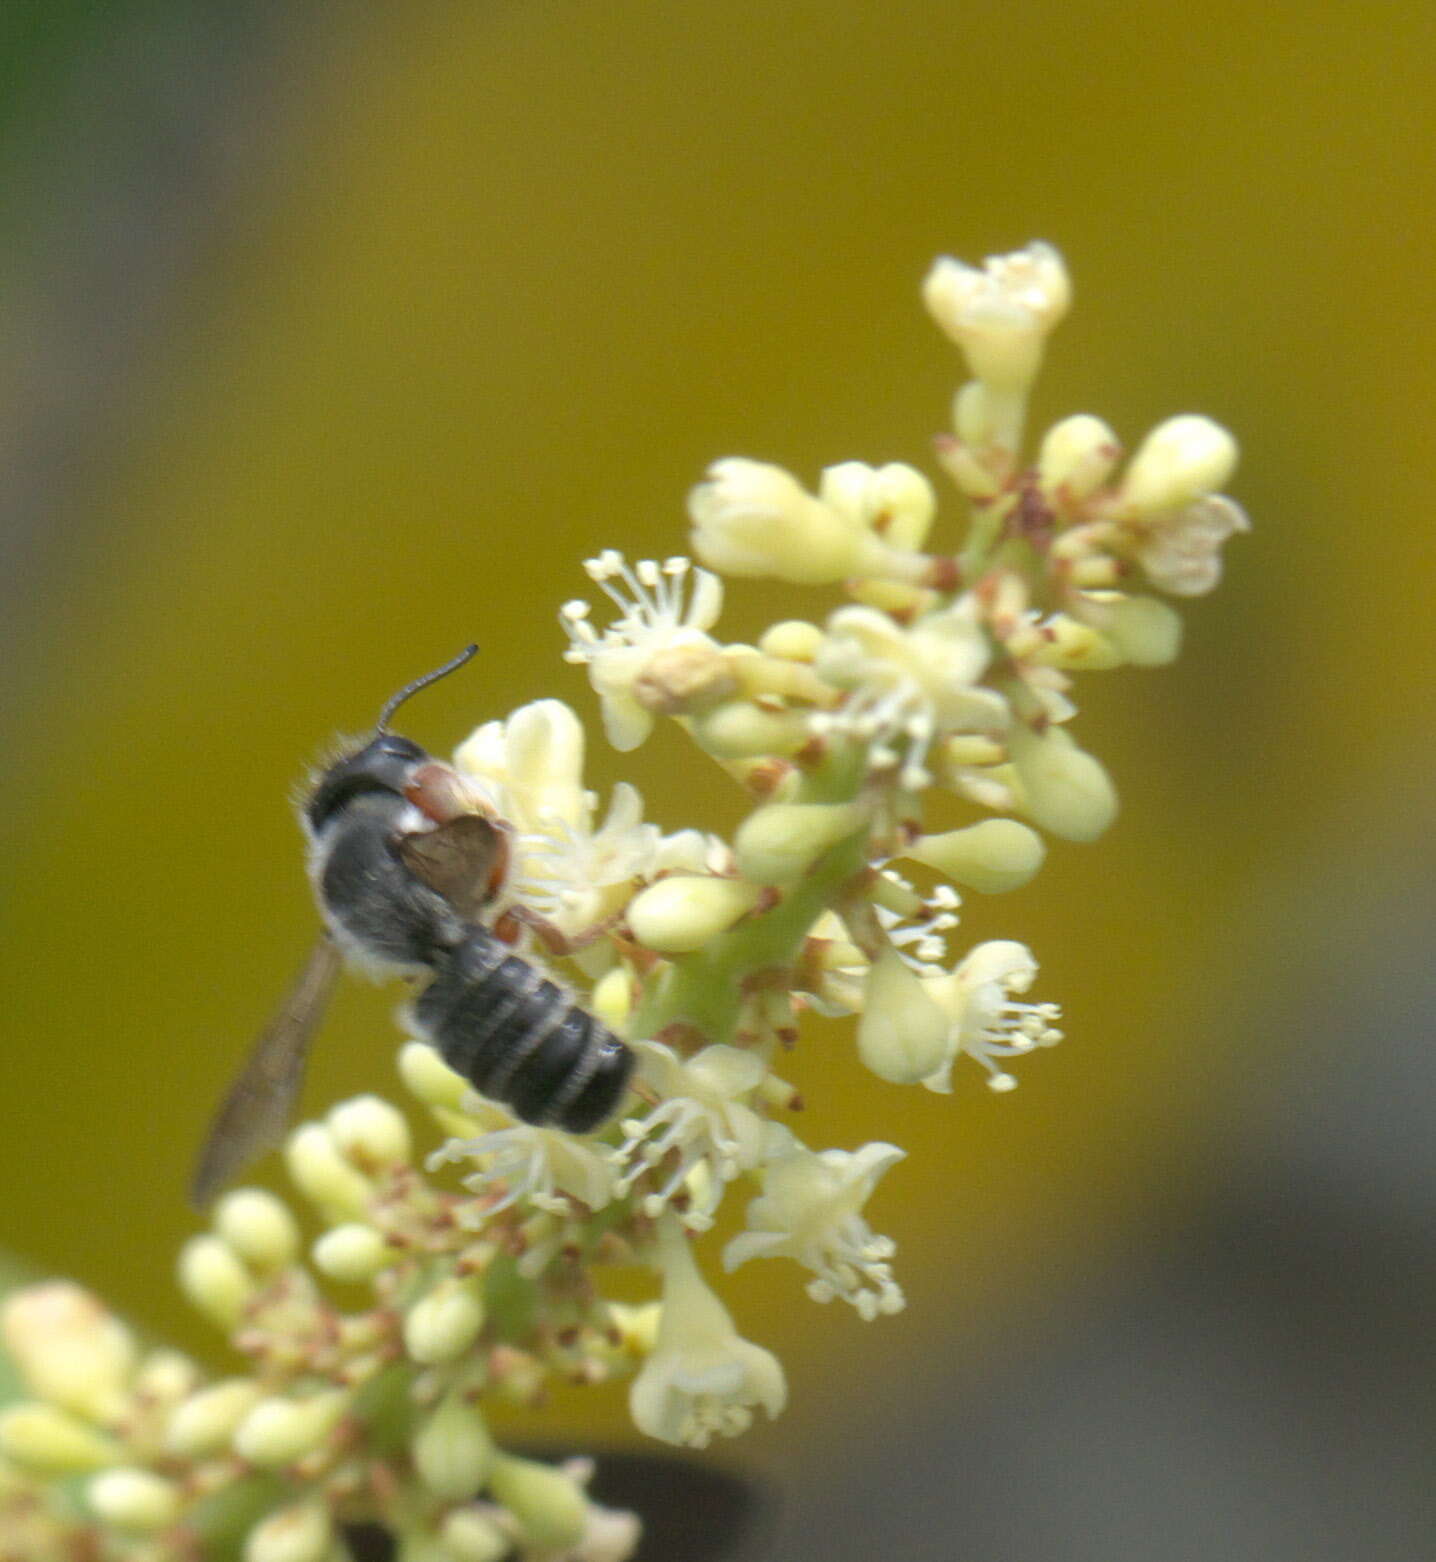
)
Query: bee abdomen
[{"x": 519, "y": 1039}]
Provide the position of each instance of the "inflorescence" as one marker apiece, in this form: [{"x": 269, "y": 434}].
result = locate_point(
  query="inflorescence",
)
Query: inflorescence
[{"x": 913, "y": 746}]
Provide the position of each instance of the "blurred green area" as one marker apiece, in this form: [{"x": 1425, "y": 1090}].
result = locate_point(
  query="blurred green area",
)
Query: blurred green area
[{"x": 521, "y": 272}]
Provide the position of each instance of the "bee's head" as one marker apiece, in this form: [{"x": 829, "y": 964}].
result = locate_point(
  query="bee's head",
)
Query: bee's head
[{"x": 384, "y": 764}]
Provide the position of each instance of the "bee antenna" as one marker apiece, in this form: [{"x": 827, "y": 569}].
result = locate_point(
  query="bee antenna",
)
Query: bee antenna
[{"x": 395, "y": 701}]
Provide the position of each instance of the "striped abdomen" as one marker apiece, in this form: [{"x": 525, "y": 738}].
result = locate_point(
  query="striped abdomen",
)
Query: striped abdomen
[{"x": 519, "y": 1039}]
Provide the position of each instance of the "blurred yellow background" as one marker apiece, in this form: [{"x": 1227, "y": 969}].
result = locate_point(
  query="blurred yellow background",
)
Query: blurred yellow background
[{"x": 497, "y": 284}]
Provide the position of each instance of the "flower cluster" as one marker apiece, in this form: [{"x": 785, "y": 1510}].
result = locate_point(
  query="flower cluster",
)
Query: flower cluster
[{"x": 913, "y": 745}]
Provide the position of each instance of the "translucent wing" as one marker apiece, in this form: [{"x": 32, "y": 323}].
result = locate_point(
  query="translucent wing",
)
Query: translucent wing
[
  {"x": 463, "y": 860},
  {"x": 254, "y": 1114}
]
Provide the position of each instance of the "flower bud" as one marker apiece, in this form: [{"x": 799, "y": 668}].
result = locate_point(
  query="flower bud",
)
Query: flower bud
[
  {"x": 752, "y": 518},
  {"x": 370, "y": 1133},
  {"x": 1064, "y": 789},
  {"x": 470, "y": 1535},
  {"x": 684, "y": 912},
  {"x": 1066, "y": 642},
  {"x": 993, "y": 856},
  {"x": 70, "y": 1349},
  {"x": 164, "y": 1377},
  {"x": 258, "y": 1227},
  {"x": 45, "y": 1440},
  {"x": 612, "y": 998},
  {"x": 301, "y": 1533},
  {"x": 205, "y": 1423},
  {"x": 794, "y": 640},
  {"x": 1146, "y": 632},
  {"x": 278, "y": 1431},
  {"x": 739, "y": 729},
  {"x": 779, "y": 843},
  {"x": 445, "y": 1322},
  {"x": 322, "y": 1174},
  {"x": 215, "y": 1281},
  {"x": 550, "y": 1506},
  {"x": 428, "y": 1077},
  {"x": 132, "y": 1500},
  {"x": 1179, "y": 461},
  {"x": 1078, "y": 455},
  {"x": 1000, "y": 315},
  {"x": 352, "y": 1253},
  {"x": 896, "y": 501},
  {"x": 902, "y": 1035},
  {"x": 453, "y": 1451}
]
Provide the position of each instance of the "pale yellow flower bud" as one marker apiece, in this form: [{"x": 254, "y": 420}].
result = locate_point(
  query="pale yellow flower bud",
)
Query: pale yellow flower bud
[
  {"x": 453, "y": 1451},
  {"x": 1064, "y": 788},
  {"x": 276, "y": 1432},
  {"x": 739, "y": 729},
  {"x": 1077, "y": 456},
  {"x": 794, "y": 639},
  {"x": 1179, "y": 461},
  {"x": 752, "y": 518},
  {"x": 323, "y": 1175},
  {"x": 469, "y": 1535},
  {"x": 428, "y": 1077},
  {"x": 164, "y": 1377},
  {"x": 301, "y": 1533},
  {"x": 446, "y": 1321},
  {"x": 1146, "y": 632},
  {"x": 69, "y": 1347},
  {"x": 258, "y": 1227},
  {"x": 214, "y": 1279},
  {"x": 370, "y": 1133},
  {"x": 612, "y": 998},
  {"x": 1000, "y": 315},
  {"x": 902, "y": 1035},
  {"x": 896, "y": 501},
  {"x": 352, "y": 1253},
  {"x": 205, "y": 1422},
  {"x": 993, "y": 856},
  {"x": 549, "y": 1505},
  {"x": 779, "y": 843},
  {"x": 684, "y": 912},
  {"x": 134, "y": 1501},
  {"x": 48, "y": 1441},
  {"x": 1066, "y": 642}
]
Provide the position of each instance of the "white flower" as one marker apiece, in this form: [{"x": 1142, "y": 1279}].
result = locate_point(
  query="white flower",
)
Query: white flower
[
  {"x": 908, "y": 686},
  {"x": 529, "y": 771},
  {"x": 657, "y": 655},
  {"x": 702, "y": 1380},
  {"x": 809, "y": 1211},
  {"x": 987, "y": 1021},
  {"x": 700, "y": 1121},
  {"x": 540, "y": 1166},
  {"x": 1182, "y": 551},
  {"x": 1001, "y": 314}
]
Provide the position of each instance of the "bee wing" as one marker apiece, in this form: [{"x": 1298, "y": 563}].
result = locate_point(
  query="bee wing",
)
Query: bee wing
[
  {"x": 255, "y": 1112},
  {"x": 462, "y": 860}
]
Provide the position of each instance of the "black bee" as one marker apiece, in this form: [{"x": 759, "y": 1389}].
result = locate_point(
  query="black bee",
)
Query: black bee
[{"x": 402, "y": 870}]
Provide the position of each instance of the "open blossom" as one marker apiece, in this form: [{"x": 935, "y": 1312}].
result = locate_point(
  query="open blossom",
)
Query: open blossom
[
  {"x": 809, "y": 1211},
  {"x": 657, "y": 657},
  {"x": 702, "y": 1379},
  {"x": 1181, "y": 552},
  {"x": 540, "y": 1166},
  {"x": 529, "y": 771},
  {"x": 908, "y": 685},
  {"x": 987, "y": 1019},
  {"x": 702, "y": 1122}
]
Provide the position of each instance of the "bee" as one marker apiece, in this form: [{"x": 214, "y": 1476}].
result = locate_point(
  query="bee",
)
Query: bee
[{"x": 402, "y": 870}]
